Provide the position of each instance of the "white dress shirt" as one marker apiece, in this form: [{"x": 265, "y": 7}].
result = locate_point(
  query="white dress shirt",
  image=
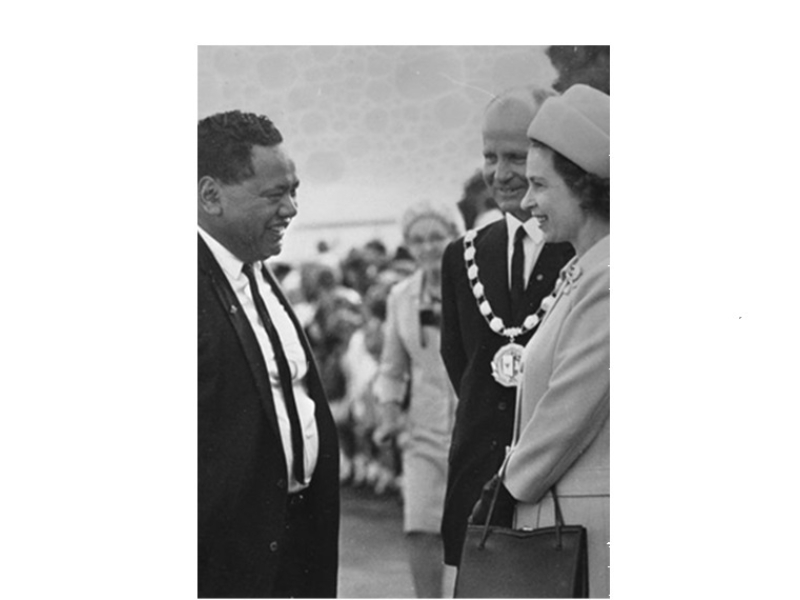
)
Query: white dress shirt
[
  {"x": 295, "y": 355},
  {"x": 532, "y": 244}
]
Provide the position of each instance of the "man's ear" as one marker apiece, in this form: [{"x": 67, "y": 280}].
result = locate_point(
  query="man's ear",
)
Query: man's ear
[{"x": 209, "y": 196}]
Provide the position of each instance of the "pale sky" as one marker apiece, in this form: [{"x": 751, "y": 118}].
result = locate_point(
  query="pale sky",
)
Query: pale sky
[{"x": 371, "y": 128}]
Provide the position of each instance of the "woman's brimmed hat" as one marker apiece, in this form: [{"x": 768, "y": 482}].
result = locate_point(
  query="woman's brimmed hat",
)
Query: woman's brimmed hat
[
  {"x": 577, "y": 125},
  {"x": 446, "y": 213}
]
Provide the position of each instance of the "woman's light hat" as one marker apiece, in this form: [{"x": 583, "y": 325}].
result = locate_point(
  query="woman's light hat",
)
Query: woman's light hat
[
  {"x": 446, "y": 213},
  {"x": 577, "y": 125}
]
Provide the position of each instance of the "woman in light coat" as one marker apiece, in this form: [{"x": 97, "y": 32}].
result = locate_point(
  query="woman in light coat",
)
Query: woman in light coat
[
  {"x": 415, "y": 393},
  {"x": 562, "y": 423}
]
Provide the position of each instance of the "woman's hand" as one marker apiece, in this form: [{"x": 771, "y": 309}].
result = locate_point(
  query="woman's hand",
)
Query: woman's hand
[
  {"x": 503, "y": 513},
  {"x": 391, "y": 424}
]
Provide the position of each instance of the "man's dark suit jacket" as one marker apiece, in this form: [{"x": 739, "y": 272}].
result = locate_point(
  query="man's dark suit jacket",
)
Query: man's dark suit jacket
[
  {"x": 242, "y": 479},
  {"x": 485, "y": 414}
]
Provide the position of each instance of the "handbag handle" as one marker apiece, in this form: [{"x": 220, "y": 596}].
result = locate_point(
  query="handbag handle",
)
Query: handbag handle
[{"x": 559, "y": 517}]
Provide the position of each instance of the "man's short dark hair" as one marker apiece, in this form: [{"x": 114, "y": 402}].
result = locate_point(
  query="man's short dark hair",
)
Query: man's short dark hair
[{"x": 225, "y": 142}]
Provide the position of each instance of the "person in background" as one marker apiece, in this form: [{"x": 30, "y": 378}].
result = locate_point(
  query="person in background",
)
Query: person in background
[
  {"x": 363, "y": 265},
  {"x": 561, "y": 431},
  {"x": 415, "y": 393},
  {"x": 493, "y": 281},
  {"x": 336, "y": 315},
  {"x": 375, "y": 466},
  {"x": 477, "y": 205},
  {"x": 268, "y": 457}
]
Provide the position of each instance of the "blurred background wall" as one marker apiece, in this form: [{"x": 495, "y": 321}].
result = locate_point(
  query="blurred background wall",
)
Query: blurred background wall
[{"x": 371, "y": 128}]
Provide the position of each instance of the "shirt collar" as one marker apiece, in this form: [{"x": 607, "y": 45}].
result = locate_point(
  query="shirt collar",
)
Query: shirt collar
[
  {"x": 230, "y": 264},
  {"x": 531, "y": 228}
]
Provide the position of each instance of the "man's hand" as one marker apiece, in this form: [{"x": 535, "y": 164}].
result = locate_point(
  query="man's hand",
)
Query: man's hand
[{"x": 503, "y": 513}]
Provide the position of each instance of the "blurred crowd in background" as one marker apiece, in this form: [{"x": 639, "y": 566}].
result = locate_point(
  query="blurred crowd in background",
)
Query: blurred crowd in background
[
  {"x": 342, "y": 305},
  {"x": 340, "y": 297}
]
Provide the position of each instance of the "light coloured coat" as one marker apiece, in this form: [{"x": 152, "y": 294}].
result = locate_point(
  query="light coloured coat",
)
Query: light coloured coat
[
  {"x": 562, "y": 423},
  {"x": 410, "y": 356}
]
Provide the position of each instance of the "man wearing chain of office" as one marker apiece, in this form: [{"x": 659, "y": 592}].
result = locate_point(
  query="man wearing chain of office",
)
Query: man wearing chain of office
[{"x": 494, "y": 281}]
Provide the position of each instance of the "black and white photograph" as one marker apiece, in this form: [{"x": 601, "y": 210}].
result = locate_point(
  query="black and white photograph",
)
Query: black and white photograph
[
  {"x": 389, "y": 373},
  {"x": 403, "y": 321}
]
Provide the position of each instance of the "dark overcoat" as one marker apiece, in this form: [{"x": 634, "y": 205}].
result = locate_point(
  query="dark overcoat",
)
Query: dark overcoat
[{"x": 242, "y": 479}]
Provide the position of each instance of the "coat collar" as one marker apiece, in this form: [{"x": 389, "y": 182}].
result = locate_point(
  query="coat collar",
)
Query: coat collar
[
  {"x": 209, "y": 265},
  {"x": 597, "y": 254}
]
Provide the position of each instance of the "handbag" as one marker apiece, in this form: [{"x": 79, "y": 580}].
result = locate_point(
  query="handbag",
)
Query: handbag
[{"x": 499, "y": 562}]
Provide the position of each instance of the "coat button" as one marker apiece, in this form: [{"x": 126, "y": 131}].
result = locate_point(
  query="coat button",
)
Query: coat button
[
  {"x": 274, "y": 546},
  {"x": 502, "y": 406},
  {"x": 281, "y": 483},
  {"x": 493, "y": 444}
]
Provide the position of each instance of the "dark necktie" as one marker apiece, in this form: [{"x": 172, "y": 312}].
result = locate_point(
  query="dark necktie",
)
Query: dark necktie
[
  {"x": 518, "y": 272},
  {"x": 284, "y": 374}
]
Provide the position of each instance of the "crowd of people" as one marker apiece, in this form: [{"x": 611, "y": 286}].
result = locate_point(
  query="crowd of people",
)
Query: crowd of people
[
  {"x": 340, "y": 301},
  {"x": 373, "y": 319}
]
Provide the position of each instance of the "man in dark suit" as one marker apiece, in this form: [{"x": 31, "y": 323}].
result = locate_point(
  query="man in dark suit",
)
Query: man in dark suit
[
  {"x": 268, "y": 457},
  {"x": 493, "y": 282}
]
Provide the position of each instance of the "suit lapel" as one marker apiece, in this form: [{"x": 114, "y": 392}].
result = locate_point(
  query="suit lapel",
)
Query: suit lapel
[
  {"x": 550, "y": 260},
  {"x": 491, "y": 256},
  {"x": 233, "y": 309},
  {"x": 544, "y": 275}
]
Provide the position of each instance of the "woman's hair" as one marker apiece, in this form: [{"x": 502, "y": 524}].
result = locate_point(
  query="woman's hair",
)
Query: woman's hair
[{"x": 593, "y": 191}]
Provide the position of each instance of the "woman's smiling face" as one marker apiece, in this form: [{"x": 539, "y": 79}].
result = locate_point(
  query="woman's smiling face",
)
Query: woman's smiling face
[
  {"x": 426, "y": 239},
  {"x": 550, "y": 201}
]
